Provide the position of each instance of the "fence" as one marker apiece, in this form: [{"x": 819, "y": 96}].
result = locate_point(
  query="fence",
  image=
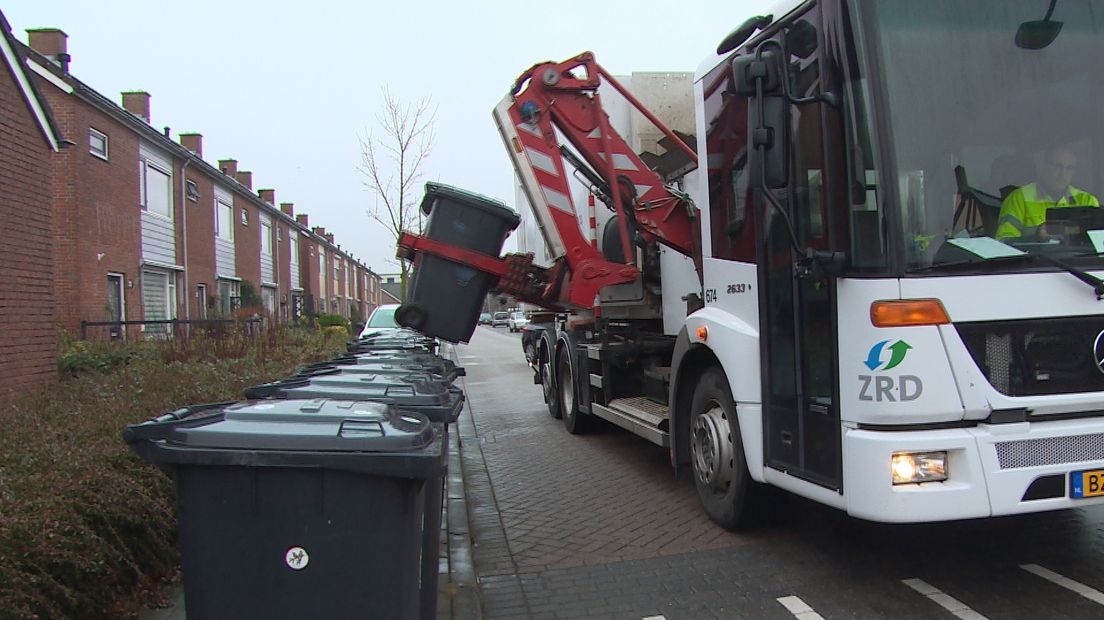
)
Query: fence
[{"x": 165, "y": 329}]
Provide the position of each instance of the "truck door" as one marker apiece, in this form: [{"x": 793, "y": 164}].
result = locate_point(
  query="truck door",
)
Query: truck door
[{"x": 797, "y": 307}]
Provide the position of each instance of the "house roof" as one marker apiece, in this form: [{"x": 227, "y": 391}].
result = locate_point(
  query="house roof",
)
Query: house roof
[
  {"x": 147, "y": 131},
  {"x": 16, "y": 59}
]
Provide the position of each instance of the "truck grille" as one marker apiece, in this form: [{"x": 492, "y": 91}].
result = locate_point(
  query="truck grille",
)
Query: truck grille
[
  {"x": 1036, "y": 357},
  {"x": 1050, "y": 451}
]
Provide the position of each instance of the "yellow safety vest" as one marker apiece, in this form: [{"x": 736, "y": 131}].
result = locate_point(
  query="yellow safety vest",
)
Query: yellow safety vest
[{"x": 1024, "y": 210}]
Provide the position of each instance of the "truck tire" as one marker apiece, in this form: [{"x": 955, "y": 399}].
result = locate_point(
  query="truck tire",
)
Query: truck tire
[
  {"x": 551, "y": 394},
  {"x": 574, "y": 420},
  {"x": 725, "y": 487}
]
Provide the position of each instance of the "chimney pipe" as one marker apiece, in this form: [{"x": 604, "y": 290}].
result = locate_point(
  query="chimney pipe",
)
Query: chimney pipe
[
  {"x": 320, "y": 231},
  {"x": 288, "y": 208},
  {"x": 193, "y": 142},
  {"x": 302, "y": 220},
  {"x": 267, "y": 195},
  {"x": 229, "y": 167},
  {"x": 51, "y": 43},
  {"x": 329, "y": 237},
  {"x": 245, "y": 178},
  {"x": 137, "y": 102}
]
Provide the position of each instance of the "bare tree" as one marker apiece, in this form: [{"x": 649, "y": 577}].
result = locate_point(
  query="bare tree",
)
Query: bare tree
[{"x": 391, "y": 160}]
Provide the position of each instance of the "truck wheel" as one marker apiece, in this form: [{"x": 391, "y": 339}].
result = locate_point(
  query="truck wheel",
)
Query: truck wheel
[
  {"x": 720, "y": 467},
  {"x": 575, "y": 422},
  {"x": 550, "y": 393}
]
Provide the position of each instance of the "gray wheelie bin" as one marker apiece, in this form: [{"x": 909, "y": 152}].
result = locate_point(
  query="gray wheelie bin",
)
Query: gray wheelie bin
[
  {"x": 299, "y": 509},
  {"x": 420, "y": 394},
  {"x": 445, "y": 297}
]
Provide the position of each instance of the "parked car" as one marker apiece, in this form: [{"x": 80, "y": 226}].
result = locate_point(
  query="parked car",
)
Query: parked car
[
  {"x": 381, "y": 321},
  {"x": 530, "y": 337},
  {"x": 516, "y": 321},
  {"x": 501, "y": 319},
  {"x": 485, "y": 318}
]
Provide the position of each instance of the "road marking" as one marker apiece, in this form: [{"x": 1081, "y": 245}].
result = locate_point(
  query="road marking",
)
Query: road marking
[
  {"x": 654, "y": 618},
  {"x": 1092, "y": 594},
  {"x": 946, "y": 601},
  {"x": 799, "y": 608}
]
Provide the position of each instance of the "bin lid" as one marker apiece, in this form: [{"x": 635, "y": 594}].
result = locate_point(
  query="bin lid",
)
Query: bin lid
[
  {"x": 317, "y": 425},
  {"x": 350, "y": 435},
  {"x": 433, "y": 191},
  {"x": 390, "y": 389},
  {"x": 444, "y": 407},
  {"x": 389, "y": 371}
]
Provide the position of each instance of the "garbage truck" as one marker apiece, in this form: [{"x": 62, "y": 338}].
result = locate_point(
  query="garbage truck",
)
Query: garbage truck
[{"x": 811, "y": 293}]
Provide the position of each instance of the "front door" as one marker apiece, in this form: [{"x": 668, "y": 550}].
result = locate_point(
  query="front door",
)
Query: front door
[{"x": 797, "y": 307}]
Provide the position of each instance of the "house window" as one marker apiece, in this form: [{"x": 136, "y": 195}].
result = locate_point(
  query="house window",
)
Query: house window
[
  {"x": 293, "y": 252},
  {"x": 245, "y": 217},
  {"x": 322, "y": 275},
  {"x": 279, "y": 233},
  {"x": 266, "y": 237},
  {"x": 337, "y": 275},
  {"x": 201, "y": 297},
  {"x": 224, "y": 220},
  {"x": 97, "y": 143},
  {"x": 155, "y": 188},
  {"x": 191, "y": 190}
]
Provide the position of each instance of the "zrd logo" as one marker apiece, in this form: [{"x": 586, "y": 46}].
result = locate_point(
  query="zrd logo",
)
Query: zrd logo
[{"x": 886, "y": 388}]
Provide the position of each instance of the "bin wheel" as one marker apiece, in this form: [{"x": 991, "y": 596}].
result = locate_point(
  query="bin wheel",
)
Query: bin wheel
[
  {"x": 574, "y": 420},
  {"x": 730, "y": 497},
  {"x": 410, "y": 315},
  {"x": 547, "y": 384}
]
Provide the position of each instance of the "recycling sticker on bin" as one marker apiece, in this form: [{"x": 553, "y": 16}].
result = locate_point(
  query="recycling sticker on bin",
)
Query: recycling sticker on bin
[{"x": 297, "y": 558}]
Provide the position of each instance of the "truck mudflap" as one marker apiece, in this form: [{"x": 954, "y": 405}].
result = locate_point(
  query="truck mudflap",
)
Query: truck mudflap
[{"x": 992, "y": 470}]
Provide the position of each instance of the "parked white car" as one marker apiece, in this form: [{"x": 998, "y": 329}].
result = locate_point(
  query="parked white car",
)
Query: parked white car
[
  {"x": 516, "y": 321},
  {"x": 381, "y": 321}
]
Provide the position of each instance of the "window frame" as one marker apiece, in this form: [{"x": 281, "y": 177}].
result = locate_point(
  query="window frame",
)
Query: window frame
[
  {"x": 219, "y": 203},
  {"x": 95, "y": 133},
  {"x": 266, "y": 238},
  {"x": 144, "y": 164}
]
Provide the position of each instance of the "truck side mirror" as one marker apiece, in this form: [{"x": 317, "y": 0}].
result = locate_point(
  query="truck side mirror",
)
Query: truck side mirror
[
  {"x": 770, "y": 132},
  {"x": 747, "y": 70},
  {"x": 768, "y": 117}
]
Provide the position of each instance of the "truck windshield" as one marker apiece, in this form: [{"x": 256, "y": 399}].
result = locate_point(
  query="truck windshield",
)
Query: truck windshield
[{"x": 990, "y": 112}]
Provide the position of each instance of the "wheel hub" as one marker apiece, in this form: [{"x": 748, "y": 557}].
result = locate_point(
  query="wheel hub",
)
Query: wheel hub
[
  {"x": 711, "y": 449},
  {"x": 567, "y": 389}
]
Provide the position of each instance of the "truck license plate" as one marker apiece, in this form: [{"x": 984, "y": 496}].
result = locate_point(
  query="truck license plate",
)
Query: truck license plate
[{"x": 1087, "y": 483}]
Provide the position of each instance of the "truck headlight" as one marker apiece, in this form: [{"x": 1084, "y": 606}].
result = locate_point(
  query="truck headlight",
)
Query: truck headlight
[{"x": 914, "y": 467}]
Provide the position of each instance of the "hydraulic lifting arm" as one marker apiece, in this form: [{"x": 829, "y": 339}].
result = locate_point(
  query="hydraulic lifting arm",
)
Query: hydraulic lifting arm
[{"x": 561, "y": 99}]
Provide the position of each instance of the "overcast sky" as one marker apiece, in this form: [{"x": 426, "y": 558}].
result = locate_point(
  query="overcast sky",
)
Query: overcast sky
[{"x": 288, "y": 91}]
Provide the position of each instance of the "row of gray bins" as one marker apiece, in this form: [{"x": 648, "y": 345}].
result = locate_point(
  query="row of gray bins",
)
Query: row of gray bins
[{"x": 320, "y": 495}]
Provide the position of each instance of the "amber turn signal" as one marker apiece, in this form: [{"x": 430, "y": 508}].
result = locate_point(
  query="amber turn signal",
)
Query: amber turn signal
[
  {"x": 908, "y": 312},
  {"x": 702, "y": 332}
]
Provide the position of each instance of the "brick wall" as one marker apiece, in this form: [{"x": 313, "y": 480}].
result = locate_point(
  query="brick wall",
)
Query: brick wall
[
  {"x": 283, "y": 266},
  {"x": 201, "y": 238},
  {"x": 247, "y": 242},
  {"x": 97, "y": 227},
  {"x": 28, "y": 348}
]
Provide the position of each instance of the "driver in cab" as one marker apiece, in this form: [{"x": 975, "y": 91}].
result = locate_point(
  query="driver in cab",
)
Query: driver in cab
[{"x": 1023, "y": 213}]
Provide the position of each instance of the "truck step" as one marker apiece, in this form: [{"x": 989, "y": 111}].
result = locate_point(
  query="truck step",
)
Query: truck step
[{"x": 639, "y": 416}]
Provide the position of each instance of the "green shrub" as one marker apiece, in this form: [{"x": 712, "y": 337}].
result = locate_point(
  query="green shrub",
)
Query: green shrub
[
  {"x": 332, "y": 320},
  {"x": 84, "y": 524},
  {"x": 81, "y": 355}
]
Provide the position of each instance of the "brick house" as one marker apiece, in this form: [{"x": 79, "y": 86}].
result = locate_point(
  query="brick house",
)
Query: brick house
[
  {"x": 178, "y": 239},
  {"x": 29, "y": 139}
]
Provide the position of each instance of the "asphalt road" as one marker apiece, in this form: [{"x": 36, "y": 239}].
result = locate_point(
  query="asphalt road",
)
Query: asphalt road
[{"x": 597, "y": 526}]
